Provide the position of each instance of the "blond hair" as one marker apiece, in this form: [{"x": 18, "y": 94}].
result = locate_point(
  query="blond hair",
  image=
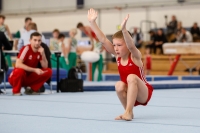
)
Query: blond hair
[
  {"x": 118, "y": 35},
  {"x": 74, "y": 31}
]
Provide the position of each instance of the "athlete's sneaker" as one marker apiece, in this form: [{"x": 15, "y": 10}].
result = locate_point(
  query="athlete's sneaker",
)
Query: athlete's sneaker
[
  {"x": 17, "y": 94},
  {"x": 29, "y": 91},
  {"x": 1, "y": 92}
]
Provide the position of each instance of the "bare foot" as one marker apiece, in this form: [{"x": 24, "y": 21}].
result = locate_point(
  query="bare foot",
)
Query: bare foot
[
  {"x": 128, "y": 116},
  {"x": 123, "y": 117},
  {"x": 119, "y": 117}
]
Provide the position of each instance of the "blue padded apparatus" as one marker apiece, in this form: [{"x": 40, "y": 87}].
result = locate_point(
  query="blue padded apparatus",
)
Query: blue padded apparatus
[
  {"x": 160, "y": 78},
  {"x": 190, "y": 77},
  {"x": 62, "y": 74},
  {"x": 116, "y": 77},
  {"x": 109, "y": 81}
]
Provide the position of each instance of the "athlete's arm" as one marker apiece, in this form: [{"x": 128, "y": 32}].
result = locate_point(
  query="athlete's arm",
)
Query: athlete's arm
[
  {"x": 129, "y": 41},
  {"x": 43, "y": 62},
  {"x": 69, "y": 45},
  {"x": 8, "y": 30},
  {"x": 92, "y": 16},
  {"x": 20, "y": 64},
  {"x": 65, "y": 50}
]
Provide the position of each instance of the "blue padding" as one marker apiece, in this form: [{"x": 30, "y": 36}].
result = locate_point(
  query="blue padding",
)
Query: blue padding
[
  {"x": 173, "y": 86},
  {"x": 155, "y": 86},
  {"x": 62, "y": 73},
  {"x": 7, "y": 85},
  {"x": 190, "y": 77},
  {"x": 112, "y": 88},
  {"x": 8, "y": 73},
  {"x": 112, "y": 77},
  {"x": 166, "y": 78},
  {"x": 98, "y": 88},
  {"x": 149, "y": 78},
  {"x": 84, "y": 76},
  {"x": 117, "y": 78}
]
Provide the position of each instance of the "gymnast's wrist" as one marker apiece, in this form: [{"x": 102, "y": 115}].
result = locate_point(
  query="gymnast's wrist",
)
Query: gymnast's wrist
[
  {"x": 124, "y": 30},
  {"x": 92, "y": 21}
]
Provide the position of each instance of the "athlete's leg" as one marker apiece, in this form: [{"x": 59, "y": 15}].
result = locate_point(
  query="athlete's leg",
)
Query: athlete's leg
[
  {"x": 94, "y": 66},
  {"x": 16, "y": 79},
  {"x": 100, "y": 68},
  {"x": 121, "y": 90},
  {"x": 137, "y": 90},
  {"x": 35, "y": 81}
]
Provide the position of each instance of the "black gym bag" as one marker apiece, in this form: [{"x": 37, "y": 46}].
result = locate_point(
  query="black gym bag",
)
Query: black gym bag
[{"x": 72, "y": 83}]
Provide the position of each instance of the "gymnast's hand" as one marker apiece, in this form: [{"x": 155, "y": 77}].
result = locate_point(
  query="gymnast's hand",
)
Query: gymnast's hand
[
  {"x": 39, "y": 71},
  {"x": 123, "y": 24},
  {"x": 92, "y": 15},
  {"x": 41, "y": 50}
]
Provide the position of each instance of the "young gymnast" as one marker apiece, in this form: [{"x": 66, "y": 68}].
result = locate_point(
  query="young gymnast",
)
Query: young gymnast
[
  {"x": 61, "y": 47},
  {"x": 96, "y": 47},
  {"x": 72, "y": 48},
  {"x": 133, "y": 88}
]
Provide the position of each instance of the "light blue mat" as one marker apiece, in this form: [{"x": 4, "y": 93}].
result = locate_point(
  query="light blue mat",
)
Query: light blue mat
[{"x": 169, "y": 111}]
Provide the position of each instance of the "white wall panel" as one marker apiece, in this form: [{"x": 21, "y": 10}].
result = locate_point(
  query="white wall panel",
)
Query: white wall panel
[
  {"x": 32, "y": 5},
  {"x": 109, "y": 19},
  {"x": 89, "y": 3}
]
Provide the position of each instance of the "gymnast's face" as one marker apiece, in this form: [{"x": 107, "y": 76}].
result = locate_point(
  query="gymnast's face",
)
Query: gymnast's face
[
  {"x": 71, "y": 34},
  {"x": 120, "y": 47},
  {"x": 55, "y": 35},
  {"x": 81, "y": 28},
  {"x": 35, "y": 42},
  {"x": 2, "y": 20}
]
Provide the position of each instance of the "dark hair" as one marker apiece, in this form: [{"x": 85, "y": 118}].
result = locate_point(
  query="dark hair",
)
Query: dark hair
[
  {"x": 79, "y": 25},
  {"x": 56, "y": 30},
  {"x": 61, "y": 36},
  {"x": 2, "y": 16},
  {"x": 160, "y": 29},
  {"x": 152, "y": 31},
  {"x": 35, "y": 34},
  {"x": 27, "y": 19}
]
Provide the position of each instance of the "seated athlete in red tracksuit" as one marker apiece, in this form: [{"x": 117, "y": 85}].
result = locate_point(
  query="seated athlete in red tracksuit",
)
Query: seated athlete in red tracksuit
[
  {"x": 133, "y": 88},
  {"x": 26, "y": 73}
]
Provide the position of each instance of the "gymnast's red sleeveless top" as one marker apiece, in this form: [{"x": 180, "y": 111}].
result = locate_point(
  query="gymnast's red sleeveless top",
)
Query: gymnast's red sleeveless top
[{"x": 130, "y": 68}]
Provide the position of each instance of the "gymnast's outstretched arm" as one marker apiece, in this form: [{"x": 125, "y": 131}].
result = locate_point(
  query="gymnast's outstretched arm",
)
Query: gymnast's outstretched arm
[{"x": 92, "y": 16}]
